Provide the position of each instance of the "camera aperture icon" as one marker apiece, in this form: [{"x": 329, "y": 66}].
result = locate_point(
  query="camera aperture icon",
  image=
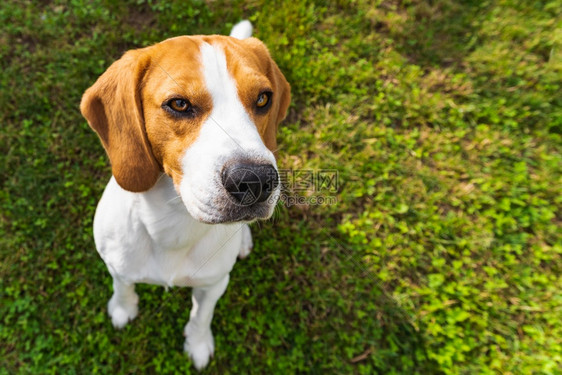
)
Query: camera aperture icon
[{"x": 249, "y": 184}]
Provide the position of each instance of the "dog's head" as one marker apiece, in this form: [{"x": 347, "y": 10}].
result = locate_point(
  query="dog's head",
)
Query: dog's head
[{"x": 202, "y": 109}]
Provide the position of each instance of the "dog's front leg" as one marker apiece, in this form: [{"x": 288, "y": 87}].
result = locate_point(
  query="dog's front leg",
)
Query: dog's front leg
[
  {"x": 123, "y": 305},
  {"x": 199, "y": 342}
]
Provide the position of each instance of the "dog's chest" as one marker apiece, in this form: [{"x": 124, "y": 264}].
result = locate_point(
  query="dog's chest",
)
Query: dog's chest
[
  {"x": 188, "y": 257},
  {"x": 151, "y": 238}
]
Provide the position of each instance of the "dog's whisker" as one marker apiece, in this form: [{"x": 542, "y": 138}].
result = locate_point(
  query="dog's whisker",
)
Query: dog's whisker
[
  {"x": 160, "y": 177},
  {"x": 173, "y": 199}
]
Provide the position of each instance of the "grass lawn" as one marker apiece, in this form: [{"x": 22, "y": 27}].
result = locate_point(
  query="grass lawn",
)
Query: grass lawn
[{"x": 441, "y": 254}]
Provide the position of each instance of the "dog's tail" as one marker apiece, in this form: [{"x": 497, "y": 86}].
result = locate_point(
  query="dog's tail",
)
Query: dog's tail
[{"x": 242, "y": 30}]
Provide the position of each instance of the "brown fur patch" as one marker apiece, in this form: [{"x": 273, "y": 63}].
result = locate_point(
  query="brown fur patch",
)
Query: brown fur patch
[{"x": 175, "y": 73}]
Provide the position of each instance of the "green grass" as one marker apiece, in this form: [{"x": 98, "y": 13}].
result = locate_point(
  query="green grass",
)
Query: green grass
[{"x": 443, "y": 253}]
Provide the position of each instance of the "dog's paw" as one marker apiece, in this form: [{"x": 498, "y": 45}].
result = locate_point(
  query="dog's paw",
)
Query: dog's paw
[
  {"x": 247, "y": 243},
  {"x": 121, "y": 312},
  {"x": 200, "y": 349}
]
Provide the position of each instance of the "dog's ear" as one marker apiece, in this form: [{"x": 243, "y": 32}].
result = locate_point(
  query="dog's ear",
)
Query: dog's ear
[
  {"x": 281, "y": 92},
  {"x": 281, "y": 101},
  {"x": 113, "y": 108}
]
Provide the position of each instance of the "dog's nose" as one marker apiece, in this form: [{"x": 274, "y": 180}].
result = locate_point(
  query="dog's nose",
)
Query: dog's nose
[{"x": 250, "y": 183}]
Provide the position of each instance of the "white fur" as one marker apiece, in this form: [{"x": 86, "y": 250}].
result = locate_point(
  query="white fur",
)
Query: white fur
[
  {"x": 242, "y": 30},
  {"x": 160, "y": 237},
  {"x": 247, "y": 242}
]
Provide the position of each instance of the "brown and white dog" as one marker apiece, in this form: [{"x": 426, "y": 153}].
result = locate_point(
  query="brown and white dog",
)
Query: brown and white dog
[{"x": 189, "y": 125}]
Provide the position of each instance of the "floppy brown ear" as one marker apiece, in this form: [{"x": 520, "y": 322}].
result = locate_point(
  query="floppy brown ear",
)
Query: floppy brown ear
[
  {"x": 113, "y": 109},
  {"x": 281, "y": 101},
  {"x": 281, "y": 91}
]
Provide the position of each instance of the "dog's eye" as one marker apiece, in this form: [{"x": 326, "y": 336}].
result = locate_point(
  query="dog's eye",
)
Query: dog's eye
[
  {"x": 263, "y": 100},
  {"x": 180, "y": 108},
  {"x": 179, "y": 105}
]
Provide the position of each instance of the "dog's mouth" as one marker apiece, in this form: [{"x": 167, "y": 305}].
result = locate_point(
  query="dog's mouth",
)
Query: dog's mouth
[
  {"x": 222, "y": 211},
  {"x": 230, "y": 202}
]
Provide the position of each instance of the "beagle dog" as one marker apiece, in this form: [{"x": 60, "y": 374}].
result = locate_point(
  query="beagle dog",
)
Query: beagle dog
[{"x": 189, "y": 126}]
